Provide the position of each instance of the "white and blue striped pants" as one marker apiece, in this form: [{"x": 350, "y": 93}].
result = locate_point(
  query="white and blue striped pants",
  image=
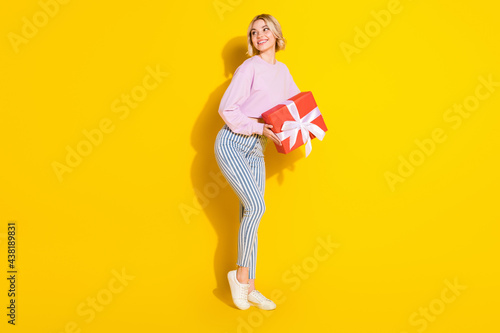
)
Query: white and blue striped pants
[{"x": 241, "y": 160}]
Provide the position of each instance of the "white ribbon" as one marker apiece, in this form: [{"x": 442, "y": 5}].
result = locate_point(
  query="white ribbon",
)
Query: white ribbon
[{"x": 290, "y": 129}]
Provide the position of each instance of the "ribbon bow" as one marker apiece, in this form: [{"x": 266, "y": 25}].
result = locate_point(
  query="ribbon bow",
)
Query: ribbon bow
[{"x": 290, "y": 129}]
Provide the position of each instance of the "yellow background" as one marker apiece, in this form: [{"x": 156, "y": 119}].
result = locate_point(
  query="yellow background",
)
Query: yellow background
[{"x": 146, "y": 201}]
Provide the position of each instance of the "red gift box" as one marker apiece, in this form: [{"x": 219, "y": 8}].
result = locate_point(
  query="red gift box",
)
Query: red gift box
[{"x": 296, "y": 122}]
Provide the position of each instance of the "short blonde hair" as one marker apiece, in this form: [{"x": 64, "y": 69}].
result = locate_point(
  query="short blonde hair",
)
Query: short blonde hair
[{"x": 275, "y": 27}]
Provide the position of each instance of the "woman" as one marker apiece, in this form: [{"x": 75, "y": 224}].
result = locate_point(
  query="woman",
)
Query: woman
[{"x": 258, "y": 84}]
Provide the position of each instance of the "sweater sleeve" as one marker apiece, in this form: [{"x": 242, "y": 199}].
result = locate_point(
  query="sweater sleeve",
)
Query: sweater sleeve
[{"x": 236, "y": 94}]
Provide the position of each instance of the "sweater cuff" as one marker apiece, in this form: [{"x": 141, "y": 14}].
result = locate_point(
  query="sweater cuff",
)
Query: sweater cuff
[{"x": 258, "y": 128}]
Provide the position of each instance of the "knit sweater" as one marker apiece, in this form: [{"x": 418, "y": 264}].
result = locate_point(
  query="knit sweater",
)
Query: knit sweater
[{"x": 256, "y": 87}]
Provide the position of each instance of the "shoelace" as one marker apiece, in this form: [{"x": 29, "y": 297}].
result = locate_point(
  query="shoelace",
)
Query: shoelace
[
  {"x": 261, "y": 298},
  {"x": 244, "y": 293}
]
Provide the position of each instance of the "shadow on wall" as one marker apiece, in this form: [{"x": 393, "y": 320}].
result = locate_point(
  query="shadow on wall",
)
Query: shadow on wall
[{"x": 213, "y": 193}]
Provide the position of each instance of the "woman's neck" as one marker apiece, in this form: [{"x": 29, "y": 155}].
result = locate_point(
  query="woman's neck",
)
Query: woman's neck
[{"x": 268, "y": 57}]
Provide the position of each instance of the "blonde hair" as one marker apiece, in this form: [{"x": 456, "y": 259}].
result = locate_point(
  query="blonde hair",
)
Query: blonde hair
[{"x": 275, "y": 27}]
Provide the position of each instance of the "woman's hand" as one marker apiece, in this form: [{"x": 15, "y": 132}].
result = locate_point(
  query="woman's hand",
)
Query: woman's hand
[{"x": 270, "y": 134}]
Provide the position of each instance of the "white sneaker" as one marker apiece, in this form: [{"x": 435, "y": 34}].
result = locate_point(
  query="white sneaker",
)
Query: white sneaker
[
  {"x": 239, "y": 291},
  {"x": 257, "y": 299}
]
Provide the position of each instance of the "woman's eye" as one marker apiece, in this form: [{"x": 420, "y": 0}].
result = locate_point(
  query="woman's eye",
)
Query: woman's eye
[{"x": 254, "y": 32}]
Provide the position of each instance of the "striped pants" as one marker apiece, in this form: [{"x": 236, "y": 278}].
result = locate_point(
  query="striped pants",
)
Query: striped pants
[{"x": 241, "y": 160}]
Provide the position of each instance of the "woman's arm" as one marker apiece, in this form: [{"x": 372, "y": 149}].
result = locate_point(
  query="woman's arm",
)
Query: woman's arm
[{"x": 236, "y": 94}]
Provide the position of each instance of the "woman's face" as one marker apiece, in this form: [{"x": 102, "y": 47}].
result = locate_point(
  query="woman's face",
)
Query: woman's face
[{"x": 262, "y": 36}]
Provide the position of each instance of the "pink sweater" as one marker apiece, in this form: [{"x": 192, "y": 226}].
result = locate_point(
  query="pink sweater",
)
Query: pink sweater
[{"x": 256, "y": 87}]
